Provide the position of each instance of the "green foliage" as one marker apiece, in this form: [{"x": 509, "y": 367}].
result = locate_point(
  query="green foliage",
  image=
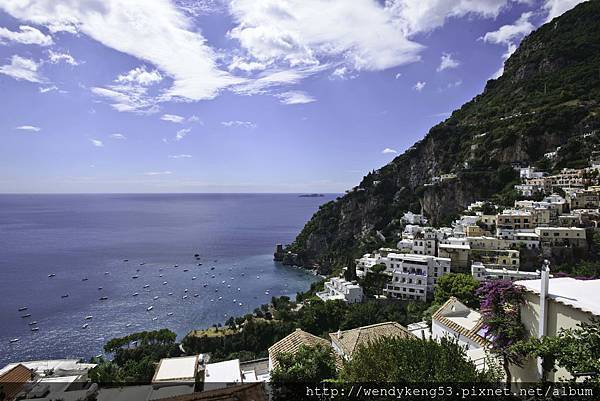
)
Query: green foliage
[
  {"x": 576, "y": 350},
  {"x": 459, "y": 285},
  {"x": 375, "y": 280},
  {"x": 412, "y": 360},
  {"x": 308, "y": 365}
]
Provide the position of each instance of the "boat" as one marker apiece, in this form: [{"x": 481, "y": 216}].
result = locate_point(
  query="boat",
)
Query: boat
[
  {"x": 196, "y": 295},
  {"x": 155, "y": 318},
  {"x": 35, "y": 329},
  {"x": 205, "y": 285},
  {"x": 223, "y": 282},
  {"x": 212, "y": 268},
  {"x": 258, "y": 277},
  {"x": 103, "y": 298},
  {"x": 220, "y": 298},
  {"x": 243, "y": 274},
  {"x": 213, "y": 276},
  {"x": 175, "y": 265},
  {"x": 84, "y": 279},
  {"x": 228, "y": 285},
  {"x": 240, "y": 304},
  {"x": 150, "y": 308},
  {"x": 212, "y": 300},
  {"x": 125, "y": 260},
  {"x": 106, "y": 273},
  {"x": 136, "y": 276},
  {"x": 160, "y": 275},
  {"x": 164, "y": 283},
  {"x": 26, "y": 315},
  {"x": 199, "y": 264},
  {"x": 155, "y": 298},
  {"x": 239, "y": 289},
  {"x": 184, "y": 297},
  {"x": 51, "y": 275},
  {"x": 147, "y": 285},
  {"x": 65, "y": 296},
  {"x": 99, "y": 288},
  {"x": 170, "y": 293},
  {"x": 196, "y": 255},
  {"x": 194, "y": 278},
  {"x": 170, "y": 314},
  {"x": 85, "y": 326},
  {"x": 186, "y": 290},
  {"x": 185, "y": 270},
  {"x": 14, "y": 340},
  {"x": 90, "y": 317},
  {"x": 33, "y": 323},
  {"x": 142, "y": 264},
  {"x": 135, "y": 294},
  {"x": 22, "y": 309},
  {"x": 128, "y": 325}
]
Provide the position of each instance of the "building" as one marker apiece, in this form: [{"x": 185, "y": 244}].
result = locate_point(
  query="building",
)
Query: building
[
  {"x": 175, "y": 376},
  {"x": 480, "y": 273},
  {"x": 459, "y": 322},
  {"x": 583, "y": 199},
  {"x": 457, "y": 253},
  {"x": 515, "y": 219},
  {"x": 530, "y": 172},
  {"x": 13, "y": 381},
  {"x": 222, "y": 374},
  {"x": 413, "y": 276},
  {"x": 562, "y": 236},
  {"x": 241, "y": 392},
  {"x": 341, "y": 289},
  {"x": 291, "y": 343},
  {"x": 345, "y": 342},
  {"x": 413, "y": 218},
  {"x": 552, "y": 305}
]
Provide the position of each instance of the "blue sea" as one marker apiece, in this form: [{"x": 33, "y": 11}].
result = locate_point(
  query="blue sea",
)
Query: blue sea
[{"x": 85, "y": 240}]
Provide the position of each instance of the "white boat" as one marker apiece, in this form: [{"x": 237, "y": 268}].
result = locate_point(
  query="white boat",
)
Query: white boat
[
  {"x": 51, "y": 275},
  {"x": 35, "y": 329},
  {"x": 170, "y": 314},
  {"x": 155, "y": 298},
  {"x": 147, "y": 285},
  {"x": 33, "y": 323},
  {"x": 128, "y": 325},
  {"x": 194, "y": 278},
  {"x": 240, "y": 304},
  {"x": 170, "y": 293},
  {"x": 185, "y": 270},
  {"x": 22, "y": 309},
  {"x": 65, "y": 296},
  {"x": 155, "y": 318},
  {"x": 220, "y": 298},
  {"x": 196, "y": 295},
  {"x": 14, "y": 340},
  {"x": 160, "y": 275},
  {"x": 258, "y": 277},
  {"x": 228, "y": 285},
  {"x": 103, "y": 298},
  {"x": 175, "y": 265},
  {"x": 267, "y": 292},
  {"x": 90, "y": 317},
  {"x": 164, "y": 283},
  {"x": 134, "y": 277},
  {"x": 186, "y": 290},
  {"x": 106, "y": 273},
  {"x": 135, "y": 294},
  {"x": 26, "y": 315},
  {"x": 150, "y": 308},
  {"x": 85, "y": 326},
  {"x": 184, "y": 297},
  {"x": 239, "y": 289}
]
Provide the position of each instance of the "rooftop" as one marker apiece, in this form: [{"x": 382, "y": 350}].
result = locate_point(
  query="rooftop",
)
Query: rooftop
[
  {"x": 457, "y": 316},
  {"x": 579, "y": 294},
  {"x": 176, "y": 369},
  {"x": 223, "y": 372},
  {"x": 349, "y": 340},
  {"x": 293, "y": 341}
]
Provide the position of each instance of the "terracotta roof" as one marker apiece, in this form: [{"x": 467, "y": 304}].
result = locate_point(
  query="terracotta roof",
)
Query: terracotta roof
[
  {"x": 348, "y": 340},
  {"x": 471, "y": 333},
  {"x": 242, "y": 392},
  {"x": 292, "y": 342},
  {"x": 12, "y": 381}
]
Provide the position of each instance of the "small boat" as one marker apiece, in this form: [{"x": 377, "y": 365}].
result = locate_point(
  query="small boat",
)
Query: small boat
[
  {"x": 212, "y": 268},
  {"x": 196, "y": 255},
  {"x": 155, "y": 318},
  {"x": 194, "y": 278},
  {"x": 185, "y": 270},
  {"x": 103, "y": 298},
  {"x": 170, "y": 293},
  {"x": 239, "y": 289},
  {"x": 155, "y": 298},
  {"x": 184, "y": 297},
  {"x": 213, "y": 276},
  {"x": 164, "y": 283},
  {"x": 26, "y": 315},
  {"x": 216, "y": 290},
  {"x": 175, "y": 265},
  {"x": 90, "y": 317},
  {"x": 170, "y": 314},
  {"x": 196, "y": 295},
  {"x": 125, "y": 260},
  {"x": 223, "y": 282},
  {"x": 186, "y": 290},
  {"x": 212, "y": 300},
  {"x": 160, "y": 269},
  {"x": 65, "y": 296},
  {"x": 243, "y": 274},
  {"x": 205, "y": 285},
  {"x": 85, "y": 326},
  {"x": 258, "y": 277},
  {"x": 228, "y": 285},
  {"x": 220, "y": 298},
  {"x": 150, "y": 308},
  {"x": 35, "y": 329},
  {"x": 199, "y": 264},
  {"x": 142, "y": 264},
  {"x": 160, "y": 275},
  {"x": 128, "y": 325},
  {"x": 14, "y": 340},
  {"x": 84, "y": 279},
  {"x": 51, "y": 275},
  {"x": 147, "y": 285},
  {"x": 106, "y": 273},
  {"x": 22, "y": 309},
  {"x": 99, "y": 288},
  {"x": 234, "y": 300},
  {"x": 240, "y": 304},
  {"x": 33, "y": 323},
  {"x": 136, "y": 276},
  {"x": 135, "y": 294},
  {"x": 137, "y": 270}
]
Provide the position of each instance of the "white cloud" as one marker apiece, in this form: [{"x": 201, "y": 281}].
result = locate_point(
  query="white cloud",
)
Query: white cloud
[
  {"x": 419, "y": 86},
  {"x": 193, "y": 119},
  {"x": 118, "y": 136},
  {"x": 29, "y": 128},
  {"x": 180, "y": 156},
  {"x": 556, "y": 8},
  {"x": 508, "y": 33},
  {"x": 447, "y": 62},
  {"x": 153, "y": 173},
  {"x": 57, "y": 57},
  {"x": 130, "y": 91},
  {"x": 237, "y": 123},
  {"x": 46, "y": 89},
  {"x": 97, "y": 143},
  {"x": 154, "y": 31},
  {"x": 174, "y": 118},
  {"x": 389, "y": 151},
  {"x": 343, "y": 73},
  {"x": 295, "y": 97},
  {"x": 27, "y": 35},
  {"x": 182, "y": 133},
  {"x": 22, "y": 69}
]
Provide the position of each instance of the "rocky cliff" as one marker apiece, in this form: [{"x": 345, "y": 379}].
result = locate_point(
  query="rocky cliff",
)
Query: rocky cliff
[{"x": 547, "y": 100}]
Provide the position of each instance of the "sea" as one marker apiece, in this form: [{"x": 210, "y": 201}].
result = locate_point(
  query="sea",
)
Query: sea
[{"x": 76, "y": 261}]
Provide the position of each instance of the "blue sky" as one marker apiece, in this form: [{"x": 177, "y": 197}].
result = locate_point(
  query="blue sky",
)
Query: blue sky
[{"x": 238, "y": 95}]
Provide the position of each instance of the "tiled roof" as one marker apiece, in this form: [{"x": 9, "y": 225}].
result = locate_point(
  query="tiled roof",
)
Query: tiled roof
[
  {"x": 347, "y": 341},
  {"x": 242, "y": 392},
  {"x": 472, "y": 333},
  {"x": 12, "y": 381},
  {"x": 293, "y": 341}
]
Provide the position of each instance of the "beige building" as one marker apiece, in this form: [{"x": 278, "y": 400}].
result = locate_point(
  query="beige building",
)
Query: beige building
[
  {"x": 514, "y": 219},
  {"x": 346, "y": 342},
  {"x": 562, "y": 236},
  {"x": 550, "y": 306}
]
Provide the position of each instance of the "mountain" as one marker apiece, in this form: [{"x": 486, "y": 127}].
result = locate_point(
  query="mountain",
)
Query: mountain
[{"x": 547, "y": 100}]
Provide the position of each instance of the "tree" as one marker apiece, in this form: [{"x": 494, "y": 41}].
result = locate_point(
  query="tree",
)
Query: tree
[
  {"x": 576, "y": 350},
  {"x": 307, "y": 365},
  {"x": 459, "y": 285},
  {"x": 375, "y": 280},
  {"x": 501, "y": 313},
  {"x": 412, "y": 360}
]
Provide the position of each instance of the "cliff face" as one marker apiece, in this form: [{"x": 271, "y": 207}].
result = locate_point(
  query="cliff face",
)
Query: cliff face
[{"x": 547, "y": 100}]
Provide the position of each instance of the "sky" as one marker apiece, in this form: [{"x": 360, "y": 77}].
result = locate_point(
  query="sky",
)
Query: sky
[{"x": 237, "y": 95}]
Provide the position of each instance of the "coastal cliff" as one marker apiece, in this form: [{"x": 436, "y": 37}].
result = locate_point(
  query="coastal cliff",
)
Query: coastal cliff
[{"x": 544, "y": 110}]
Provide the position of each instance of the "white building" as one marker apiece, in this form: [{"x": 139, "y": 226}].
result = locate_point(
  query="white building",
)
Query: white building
[
  {"x": 341, "y": 289},
  {"x": 413, "y": 218},
  {"x": 459, "y": 322},
  {"x": 414, "y": 276},
  {"x": 529, "y": 172},
  {"x": 480, "y": 273},
  {"x": 222, "y": 374}
]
